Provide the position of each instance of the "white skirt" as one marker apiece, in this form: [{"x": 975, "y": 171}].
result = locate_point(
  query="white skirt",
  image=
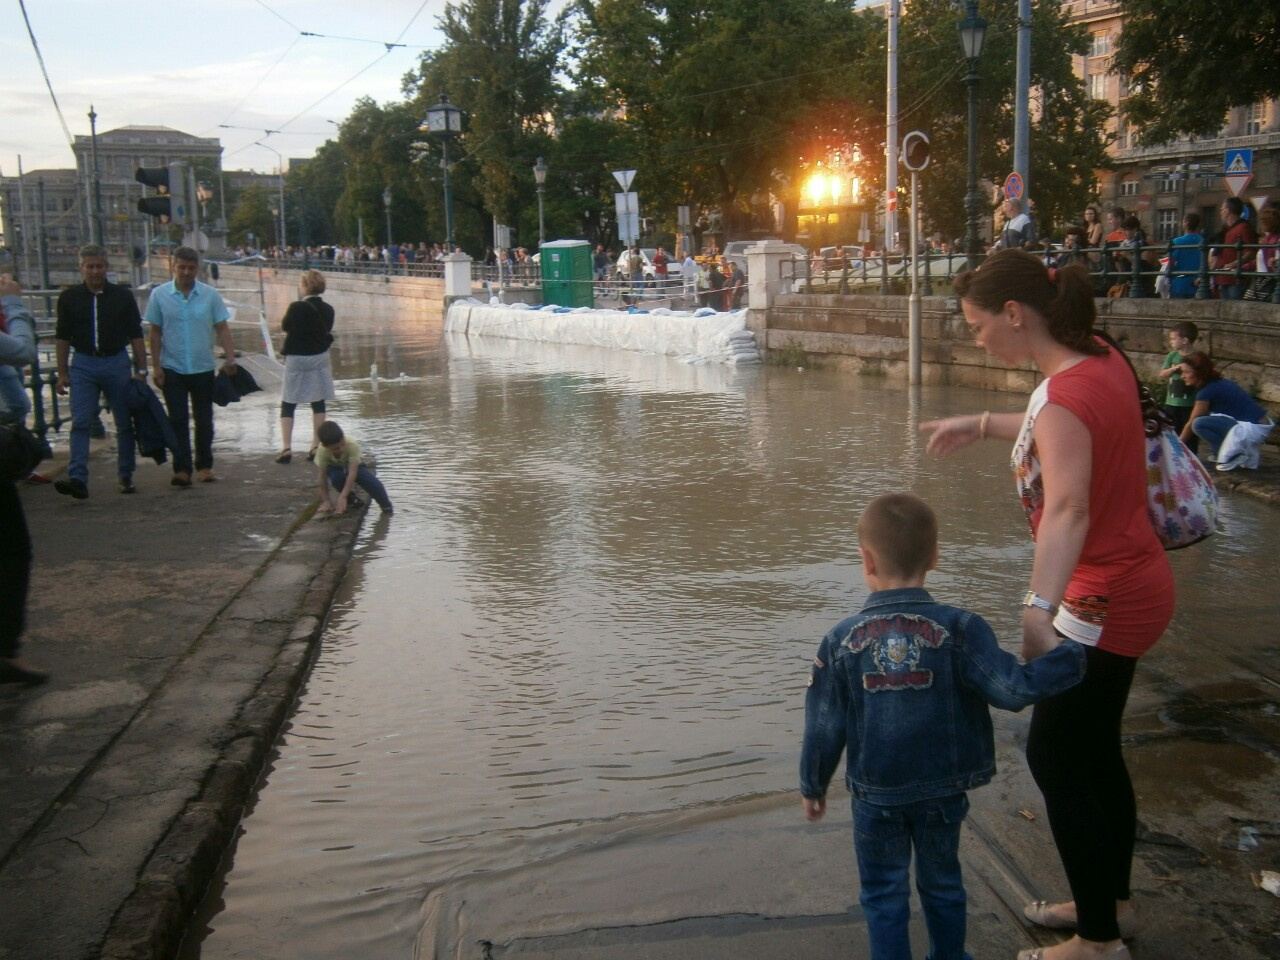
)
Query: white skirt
[{"x": 307, "y": 379}]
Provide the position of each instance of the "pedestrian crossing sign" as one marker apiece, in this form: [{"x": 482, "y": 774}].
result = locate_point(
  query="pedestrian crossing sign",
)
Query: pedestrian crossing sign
[{"x": 1237, "y": 162}]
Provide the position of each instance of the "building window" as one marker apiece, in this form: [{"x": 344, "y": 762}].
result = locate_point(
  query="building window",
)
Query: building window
[
  {"x": 1098, "y": 86},
  {"x": 1255, "y": 116},
  {"x": 1167, "y": 185},
  {"x": 1129, "y": 187},
  {"x": 1166, "y": 225},
  {"x": 1101, "y": 46}
]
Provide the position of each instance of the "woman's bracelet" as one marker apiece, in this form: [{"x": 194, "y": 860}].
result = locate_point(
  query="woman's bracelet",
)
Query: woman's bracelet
[{"x": 982, "y": 424}]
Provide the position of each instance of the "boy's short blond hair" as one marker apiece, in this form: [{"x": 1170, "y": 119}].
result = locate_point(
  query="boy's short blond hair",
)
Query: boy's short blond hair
[{"x": 902, "y": 531}]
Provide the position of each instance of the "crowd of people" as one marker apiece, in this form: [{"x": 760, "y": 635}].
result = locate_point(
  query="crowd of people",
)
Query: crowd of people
[{"x": 1111, "y": 250}]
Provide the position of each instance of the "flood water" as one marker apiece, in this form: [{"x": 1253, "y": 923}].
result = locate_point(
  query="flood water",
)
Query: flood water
[{"x": 596, "y": 604}]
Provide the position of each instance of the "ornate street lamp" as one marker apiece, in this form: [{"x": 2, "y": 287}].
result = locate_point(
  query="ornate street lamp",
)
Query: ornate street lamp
[
  {"x": 540, "y": 175},
  {"x": 445, "y": 121},
  {"x": 973, "y": 31}
]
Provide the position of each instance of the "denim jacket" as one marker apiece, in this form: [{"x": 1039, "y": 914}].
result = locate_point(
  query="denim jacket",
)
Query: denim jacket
[{"x": 904, "y": 686}]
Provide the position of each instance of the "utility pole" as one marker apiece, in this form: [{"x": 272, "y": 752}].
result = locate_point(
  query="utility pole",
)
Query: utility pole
[{"x": 1022, "y": 107}]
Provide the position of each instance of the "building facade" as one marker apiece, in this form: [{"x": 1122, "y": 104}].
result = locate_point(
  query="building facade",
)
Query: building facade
[
  {"x": 101, "y": 199},
  {"x": 1160, "y": 184}
]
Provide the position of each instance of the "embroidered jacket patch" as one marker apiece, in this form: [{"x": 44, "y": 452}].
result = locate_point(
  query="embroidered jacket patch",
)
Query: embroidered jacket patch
[{"x": 896, "y": 644}]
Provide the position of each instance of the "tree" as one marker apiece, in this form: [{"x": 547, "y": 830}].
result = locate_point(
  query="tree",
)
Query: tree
[
  {"x": 499, "y": 64},
  {"x": 314, "y": 188},
  {"x": 252, "y": 215},
  {"x": 1189, "y": 63},
  {"x": 1067, "y": 141},
  {"x": 377, "y": 147},
  {"x": 717, "y": 92}
]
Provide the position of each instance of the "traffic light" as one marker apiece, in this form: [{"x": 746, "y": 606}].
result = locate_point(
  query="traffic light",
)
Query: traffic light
[
  {"x": 170, "y": 201},
  {"x": 915, "y": 150}
]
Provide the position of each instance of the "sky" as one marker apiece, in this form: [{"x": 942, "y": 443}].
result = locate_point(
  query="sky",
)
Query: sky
[{"x": 242, "y": 63}]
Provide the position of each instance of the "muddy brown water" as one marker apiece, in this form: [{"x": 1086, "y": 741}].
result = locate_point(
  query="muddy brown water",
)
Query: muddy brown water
[{"x": 596, "y": 604}]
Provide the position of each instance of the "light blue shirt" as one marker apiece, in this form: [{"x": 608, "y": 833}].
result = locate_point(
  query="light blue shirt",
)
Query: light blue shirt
[{"x": 187, "y": 324}]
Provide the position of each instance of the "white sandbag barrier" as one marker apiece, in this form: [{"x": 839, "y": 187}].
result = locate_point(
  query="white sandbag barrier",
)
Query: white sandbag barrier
[{"x": 701, "y": 336}]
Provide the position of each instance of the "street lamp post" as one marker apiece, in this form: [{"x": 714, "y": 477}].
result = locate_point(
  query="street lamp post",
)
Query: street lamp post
[
  {"x": 445, "y": 120},
  {"x": 280, "y": 177},
  {"x": 973, "y": 31},
  {"x": 540, "y": 175},
  {"x": 386, "y": 205},
  {"x": 97, "y": 177}
]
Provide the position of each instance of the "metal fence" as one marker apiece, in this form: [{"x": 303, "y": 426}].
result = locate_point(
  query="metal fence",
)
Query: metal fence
[{"x": 1118, "y": 269}]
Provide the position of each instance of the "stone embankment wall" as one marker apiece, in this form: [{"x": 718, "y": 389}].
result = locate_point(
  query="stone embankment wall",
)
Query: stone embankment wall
[
  {"x": 416, "y": 297},
  {"x": 870, "y": 334}
]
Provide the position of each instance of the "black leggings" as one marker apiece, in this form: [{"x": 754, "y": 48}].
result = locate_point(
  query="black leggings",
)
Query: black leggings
[
  {"x": 287, "y": 409},
  {"x": 15, "y": 569},
  {"x": 1073, "y": 750}
]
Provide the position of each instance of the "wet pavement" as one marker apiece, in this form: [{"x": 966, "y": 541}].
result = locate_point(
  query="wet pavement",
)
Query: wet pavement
[{"x": 178, "y": 625}]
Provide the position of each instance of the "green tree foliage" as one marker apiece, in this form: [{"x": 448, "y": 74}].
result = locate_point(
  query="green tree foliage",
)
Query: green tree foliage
[
  {"x": 1189, "y": 63},
  {"x": 252, "y": 214},
  {"x": 499, "y": 64},
  {"x": 719, "y": 93},
  {"x": 313, "y": 189},
  {"x": 1067, "y": 138},
  {"x": 376, "y": 147}
]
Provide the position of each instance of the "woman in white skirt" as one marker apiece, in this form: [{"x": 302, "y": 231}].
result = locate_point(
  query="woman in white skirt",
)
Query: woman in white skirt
[{"x": 308, "y": 333}]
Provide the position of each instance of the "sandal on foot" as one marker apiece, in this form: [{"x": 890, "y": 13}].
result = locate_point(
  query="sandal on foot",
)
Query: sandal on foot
[
  {"x": 285, "y": 456},
  {"x": 1115, "y": 953},
  {"x": 1040, "y": 912},
  {"x": 311, "y": 454}
]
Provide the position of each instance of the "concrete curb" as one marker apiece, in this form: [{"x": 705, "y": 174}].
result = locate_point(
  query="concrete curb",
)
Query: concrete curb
[{"x": 153, "y": 921}]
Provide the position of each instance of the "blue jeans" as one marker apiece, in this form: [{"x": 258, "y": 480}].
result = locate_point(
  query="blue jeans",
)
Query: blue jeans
[
  {"x": 365, "y": 478},
  {"x": 1231, "y": 291},
  {"x": 883, "y": 838},
  {"x": 90, "y": 378},
  {"x": 1213, "y": 429},
  {"x": 195, "y": 390}
]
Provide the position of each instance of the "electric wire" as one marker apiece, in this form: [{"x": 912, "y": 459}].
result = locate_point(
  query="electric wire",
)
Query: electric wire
[{"x": 43, "y": 70}]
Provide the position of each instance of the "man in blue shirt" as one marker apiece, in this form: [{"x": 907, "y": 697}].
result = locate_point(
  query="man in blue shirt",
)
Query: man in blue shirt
[{"x": 184, "y": 315}]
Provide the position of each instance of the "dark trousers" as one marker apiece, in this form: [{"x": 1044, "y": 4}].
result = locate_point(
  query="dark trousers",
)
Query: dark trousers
[
  {"x": 15, "y": 569},
  {"x": 1073, "y": 750},
  {"x": 197, "y": 390}
]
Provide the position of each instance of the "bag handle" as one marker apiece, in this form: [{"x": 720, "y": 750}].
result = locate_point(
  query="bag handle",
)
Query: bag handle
[{"x": 1154, "y": 419}]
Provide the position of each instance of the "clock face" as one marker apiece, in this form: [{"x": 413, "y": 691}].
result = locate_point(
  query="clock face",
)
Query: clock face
[{"x": 436, "y": 121}]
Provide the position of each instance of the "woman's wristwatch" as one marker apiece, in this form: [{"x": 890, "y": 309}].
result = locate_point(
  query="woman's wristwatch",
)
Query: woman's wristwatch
[{"x": 1033, "y": 599}]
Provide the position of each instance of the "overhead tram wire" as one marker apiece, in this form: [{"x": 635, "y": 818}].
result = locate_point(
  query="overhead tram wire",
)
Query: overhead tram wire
[{"x": 44, "y": 70}]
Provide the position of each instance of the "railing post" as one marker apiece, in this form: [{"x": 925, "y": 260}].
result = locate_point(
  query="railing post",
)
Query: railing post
[
  {"x": 1203, "y": 291},
  {"x": 1135, "y": 273},
  {"x": 926, "y": 290}
]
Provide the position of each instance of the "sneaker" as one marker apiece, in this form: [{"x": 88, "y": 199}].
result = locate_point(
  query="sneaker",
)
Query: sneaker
[
  {"x": 126, "y": 485},
  {"x": 1232, "y": 462},
  {"x": 181, "y": 480},
  {"x": 206, "y": 476},
  {"x": 71, "y": 487}
]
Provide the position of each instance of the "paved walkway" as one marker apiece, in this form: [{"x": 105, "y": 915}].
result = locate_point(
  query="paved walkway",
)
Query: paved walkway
[{"x": 178, "y": 624}]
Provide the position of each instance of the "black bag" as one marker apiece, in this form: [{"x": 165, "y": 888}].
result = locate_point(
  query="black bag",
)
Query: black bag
[{"x": 20, "y": 452}]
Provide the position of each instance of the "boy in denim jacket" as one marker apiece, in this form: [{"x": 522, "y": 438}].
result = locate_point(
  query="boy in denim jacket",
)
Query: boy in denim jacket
[{"x": 904, "y": 686}]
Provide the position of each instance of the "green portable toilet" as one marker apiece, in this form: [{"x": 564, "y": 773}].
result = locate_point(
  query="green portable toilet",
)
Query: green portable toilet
[{"x": 567, "y": 273}]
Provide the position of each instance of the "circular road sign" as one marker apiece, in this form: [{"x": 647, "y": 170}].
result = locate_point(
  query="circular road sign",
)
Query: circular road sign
[{"x": 1013, "y": 186}]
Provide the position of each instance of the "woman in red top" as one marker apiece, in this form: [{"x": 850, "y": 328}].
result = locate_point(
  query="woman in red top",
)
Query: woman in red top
[{"x": 1099, "y": 575}]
